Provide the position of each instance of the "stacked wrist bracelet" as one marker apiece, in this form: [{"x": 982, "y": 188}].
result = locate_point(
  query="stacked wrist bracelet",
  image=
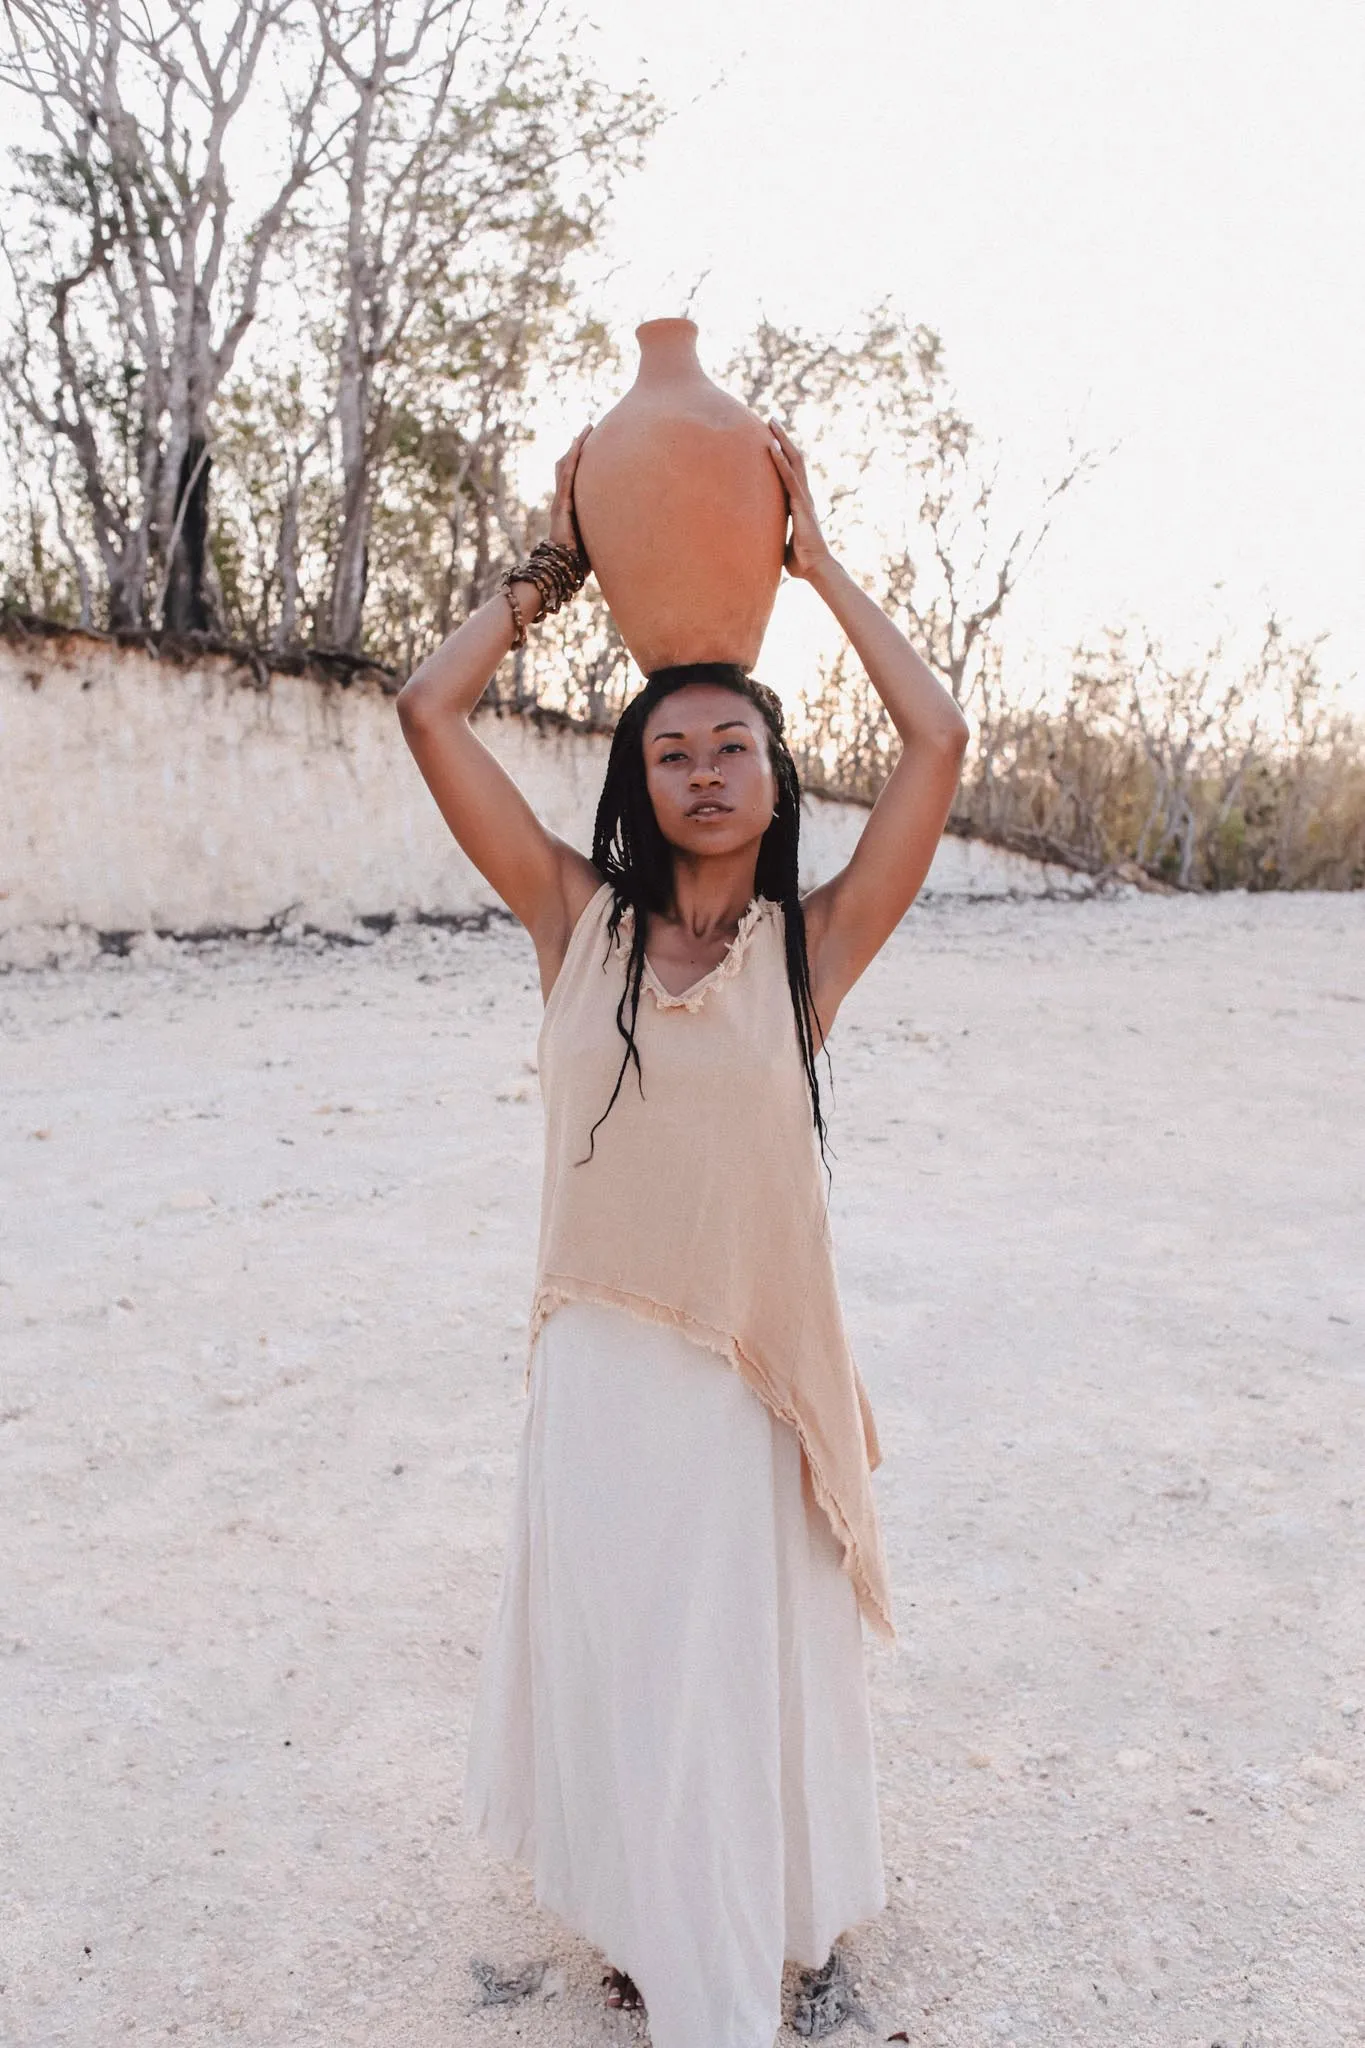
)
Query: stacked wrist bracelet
[{"x": 557, "y": 573}]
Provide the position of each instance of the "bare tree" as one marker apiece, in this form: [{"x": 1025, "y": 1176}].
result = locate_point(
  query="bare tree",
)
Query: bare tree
[
  {"x": 141, "y": 273},
  {"x": 581, "y": 664},
  {"x": 273, "y": 506},
  {"x": 884, "y": 429},
  {"x": 835, "y": 394},
  {"x": 955, "y": 609},
  {"x": 457, "y": 225},
  {"x": 878, "y": 407}
]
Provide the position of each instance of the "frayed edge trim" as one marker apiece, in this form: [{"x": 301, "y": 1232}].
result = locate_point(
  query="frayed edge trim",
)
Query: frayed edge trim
[
  {"x": 724, "y": 970},
  {"x": 560, "y": 1291}
]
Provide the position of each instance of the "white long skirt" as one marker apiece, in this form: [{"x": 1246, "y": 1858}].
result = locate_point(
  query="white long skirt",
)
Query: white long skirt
[{"x": 671, "y": 1728}]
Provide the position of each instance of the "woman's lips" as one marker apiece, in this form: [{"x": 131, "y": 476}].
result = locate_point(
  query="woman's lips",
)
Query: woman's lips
[{"x": 709, "y": 809}]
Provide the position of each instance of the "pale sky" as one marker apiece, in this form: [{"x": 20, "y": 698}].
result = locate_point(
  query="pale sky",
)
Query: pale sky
[{"x": 1142, "y": 223}]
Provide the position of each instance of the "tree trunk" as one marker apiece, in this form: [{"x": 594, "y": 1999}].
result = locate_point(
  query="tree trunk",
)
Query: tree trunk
[
  {"x": 354, "y": 390},
  {"x": 287, "y": 559},
  {"x": 185, "y": 609},
  {"x": 127, "y": 578},
  {"x": 353, "y": 550}
]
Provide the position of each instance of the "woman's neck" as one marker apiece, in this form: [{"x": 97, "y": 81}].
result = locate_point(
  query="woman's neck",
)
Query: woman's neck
[{"x": 711, "y": 896}]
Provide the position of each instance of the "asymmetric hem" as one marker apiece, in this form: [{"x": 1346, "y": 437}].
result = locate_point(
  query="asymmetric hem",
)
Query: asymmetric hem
[
  {"x": 687, "y": 1187},
  {"x": 557, "y": 1289}
]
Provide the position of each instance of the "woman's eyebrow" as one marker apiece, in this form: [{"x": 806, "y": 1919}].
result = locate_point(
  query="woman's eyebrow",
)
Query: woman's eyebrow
[{"x": 724, "y": 726}]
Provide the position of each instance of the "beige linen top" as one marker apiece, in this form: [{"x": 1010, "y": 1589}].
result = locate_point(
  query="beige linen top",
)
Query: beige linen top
[{"x": 704, "y": 1203}]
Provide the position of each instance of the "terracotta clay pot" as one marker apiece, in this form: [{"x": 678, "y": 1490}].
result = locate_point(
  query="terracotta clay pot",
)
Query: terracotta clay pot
[{"x": 681, "y": 511}]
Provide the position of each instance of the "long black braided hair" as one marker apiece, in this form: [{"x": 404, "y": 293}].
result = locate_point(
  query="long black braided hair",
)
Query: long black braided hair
[{"x": 630, "y": 852}]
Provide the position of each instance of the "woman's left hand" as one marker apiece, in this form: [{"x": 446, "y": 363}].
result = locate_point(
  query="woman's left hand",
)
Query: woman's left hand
[{"x": 807, "y": 550}]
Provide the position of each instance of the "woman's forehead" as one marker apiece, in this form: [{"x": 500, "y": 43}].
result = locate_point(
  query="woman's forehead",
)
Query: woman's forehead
[{"x": 700, "y": 709}]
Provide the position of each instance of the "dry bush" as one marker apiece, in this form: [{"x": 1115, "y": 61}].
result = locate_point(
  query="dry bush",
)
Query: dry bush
[{"x": 1203, "y": 777}]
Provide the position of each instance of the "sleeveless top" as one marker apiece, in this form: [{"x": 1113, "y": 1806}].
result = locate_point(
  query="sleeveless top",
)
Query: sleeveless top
[{"x": 703, "y": 1204}]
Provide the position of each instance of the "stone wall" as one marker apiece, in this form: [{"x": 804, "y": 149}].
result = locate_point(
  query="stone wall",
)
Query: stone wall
[{"x": 139, "y": 793}]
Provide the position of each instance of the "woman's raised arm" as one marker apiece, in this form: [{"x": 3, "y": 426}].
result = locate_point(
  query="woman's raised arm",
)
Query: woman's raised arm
[
  {"x": 850, "y": 917},
  {"x": 541, "y": 878}
]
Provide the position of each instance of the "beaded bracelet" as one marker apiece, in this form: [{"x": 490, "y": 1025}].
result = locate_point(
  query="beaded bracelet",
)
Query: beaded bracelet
[
  {"x": 557, "y": 572},
  {"x": 567, "y": 569},
  {"x": 518, "y": 623},
  {"x": 555, "y": 578}
]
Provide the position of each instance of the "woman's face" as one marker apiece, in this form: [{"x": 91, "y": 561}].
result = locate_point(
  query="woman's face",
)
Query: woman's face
[{"x": 708, "y": 771}]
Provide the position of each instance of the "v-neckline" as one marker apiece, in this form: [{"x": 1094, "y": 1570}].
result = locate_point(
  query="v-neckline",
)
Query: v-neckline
[{"x": 725, "y": 966}]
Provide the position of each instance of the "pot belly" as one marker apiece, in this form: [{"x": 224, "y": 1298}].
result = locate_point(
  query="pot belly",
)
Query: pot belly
[{"x": 684, "y": 521}]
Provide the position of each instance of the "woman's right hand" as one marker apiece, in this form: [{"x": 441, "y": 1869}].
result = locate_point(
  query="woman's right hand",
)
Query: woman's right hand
[{"x": 563, "y": 529}]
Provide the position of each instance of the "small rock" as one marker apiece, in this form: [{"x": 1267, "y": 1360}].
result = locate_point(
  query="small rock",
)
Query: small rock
[
  {"x": 191, "y": 1198},
  {"x": 1324, "y": 1772},
  {"x": 1130, "y": 1760},
  {"x": 503, "y": 1987}
]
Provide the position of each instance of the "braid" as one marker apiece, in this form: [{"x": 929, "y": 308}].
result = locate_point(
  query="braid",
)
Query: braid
[{"x": 630, "y": 852}]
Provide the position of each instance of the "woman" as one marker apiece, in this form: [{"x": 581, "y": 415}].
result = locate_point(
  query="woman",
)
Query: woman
[{"x": 671, "y": 1726}]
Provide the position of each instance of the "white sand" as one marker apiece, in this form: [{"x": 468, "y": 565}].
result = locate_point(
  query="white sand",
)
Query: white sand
[{"x": 268, "y": 1236}]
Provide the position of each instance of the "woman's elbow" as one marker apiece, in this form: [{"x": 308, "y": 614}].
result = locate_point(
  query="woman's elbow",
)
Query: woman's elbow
[
  {"x": 413, "y": 702},
  {"x": 952, "y": 732}
]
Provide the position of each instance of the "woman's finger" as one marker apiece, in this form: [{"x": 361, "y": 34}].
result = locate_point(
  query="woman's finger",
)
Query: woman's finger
[
  {"x": 794, "y": 478},
  {"x": 797, "y": 489},
  {"x": 789, "y": 447},
  {"x": 786, "y": 466},
  {"x": 568, "y": 461},
  {"x": 790, "y": 487}
]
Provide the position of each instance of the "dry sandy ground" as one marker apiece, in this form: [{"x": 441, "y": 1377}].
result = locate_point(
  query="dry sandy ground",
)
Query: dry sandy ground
[{"x": 267, "y": 1252}]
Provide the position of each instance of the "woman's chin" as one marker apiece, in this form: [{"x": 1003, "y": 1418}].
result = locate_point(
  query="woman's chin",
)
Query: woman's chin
[{"x": 722, "y": 832}]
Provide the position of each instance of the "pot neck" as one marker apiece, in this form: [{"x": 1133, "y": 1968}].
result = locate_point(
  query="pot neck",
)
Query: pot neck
[{"x": 668, "y": 348}]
